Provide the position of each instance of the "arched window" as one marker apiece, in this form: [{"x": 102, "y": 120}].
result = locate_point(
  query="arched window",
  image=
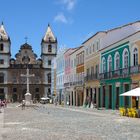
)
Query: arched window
[
  {"x": 109, "y": 63},
  {"x": 117, "y": 61},
  {"x": 125, "y": 58},
  {"x": 103, "y": 65},
  {"x": 135, "y": 57}
]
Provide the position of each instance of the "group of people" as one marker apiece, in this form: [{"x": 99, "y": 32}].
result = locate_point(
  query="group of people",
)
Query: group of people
[{"x": 3, "y": 103}]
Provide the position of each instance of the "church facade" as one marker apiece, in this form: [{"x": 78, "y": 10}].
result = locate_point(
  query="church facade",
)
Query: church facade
[{"x": 13, "y": 85}]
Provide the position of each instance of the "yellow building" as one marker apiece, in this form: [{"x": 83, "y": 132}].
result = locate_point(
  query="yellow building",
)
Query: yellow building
[{"x": 91, "y": 68}]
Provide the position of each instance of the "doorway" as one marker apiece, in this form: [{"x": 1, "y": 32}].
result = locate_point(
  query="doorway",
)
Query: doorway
[
  {"x": 103, "y": 102},
  {"x": 117, "y": 97},
  {"x": 72, "y": 98},
  {"x": 110, "y": 97}
]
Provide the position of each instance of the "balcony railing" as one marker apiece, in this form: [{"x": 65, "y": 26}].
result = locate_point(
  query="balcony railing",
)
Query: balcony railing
[
  {"x": 76, "y": 83},
  {"x": 126, "y": 72},
  {"x": 91, "y": 77}
]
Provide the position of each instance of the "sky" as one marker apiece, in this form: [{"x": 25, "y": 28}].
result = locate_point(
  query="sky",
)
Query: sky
[{"x": 72, "y": 21}]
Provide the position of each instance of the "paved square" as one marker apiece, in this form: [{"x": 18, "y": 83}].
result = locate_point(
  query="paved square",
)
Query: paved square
[{"x": 48, "y": 122}]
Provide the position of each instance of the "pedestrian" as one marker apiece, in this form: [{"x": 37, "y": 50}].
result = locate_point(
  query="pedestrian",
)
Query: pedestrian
[{"x": 23, "y": 104}]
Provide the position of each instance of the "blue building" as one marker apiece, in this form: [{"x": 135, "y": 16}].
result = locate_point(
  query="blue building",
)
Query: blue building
[{"x": 60, "y": 75}]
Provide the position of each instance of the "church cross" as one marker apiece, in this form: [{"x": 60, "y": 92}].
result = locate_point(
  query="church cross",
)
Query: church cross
[
  {"x": 27, "y": 75},
  {"x": 26, "y": 39}
]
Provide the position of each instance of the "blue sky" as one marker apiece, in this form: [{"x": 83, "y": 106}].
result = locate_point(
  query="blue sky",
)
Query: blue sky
[{"x": 72, "y": 21}]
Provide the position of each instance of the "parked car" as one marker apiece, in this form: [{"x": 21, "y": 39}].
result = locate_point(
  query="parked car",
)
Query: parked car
[{"x": 44, "y": 100}]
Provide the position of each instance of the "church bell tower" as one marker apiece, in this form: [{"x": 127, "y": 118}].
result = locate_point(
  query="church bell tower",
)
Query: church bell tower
[
  {"x": 5, "y": 55},
  {"x": 48, "y": 53}
]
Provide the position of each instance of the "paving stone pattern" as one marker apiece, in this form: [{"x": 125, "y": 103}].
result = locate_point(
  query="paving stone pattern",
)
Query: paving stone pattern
[{"x": 48, "y": 122}]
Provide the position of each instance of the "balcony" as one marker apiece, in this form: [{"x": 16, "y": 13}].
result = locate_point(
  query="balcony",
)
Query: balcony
[
  {"x": 91, "y": 77},
  {"x": 121, "y": 73},
  {"x": 76, "y": 83}
]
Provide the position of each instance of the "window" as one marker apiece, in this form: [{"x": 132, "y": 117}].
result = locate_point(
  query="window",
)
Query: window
[
  {"x": 125, "y": 58},
  {"x": 1, "y": 78},
  {"x": 93, "y": 47},
  {"x": 37, "y": 90},
  {"x": 135, "y": 57},
  {"x": 49, "y": 78},
  {"x": 109, "y": 63},
  {"x": 103, "y": 65},
  {"x": 49, "y": 62},
  {"x": 90, "y": 49},
  {"x": 97, "y": 69},
  {"x": 49, "y": 48},
  {"x": 1, "y": 47},
  {"x": 87, "y": 51},
  {"x": 49, "y": 90},
  {"x": 14, "y": 89},
  {"x": 92, "y": 71},
  {"x": 87, "y": 72},
  {"x": 97, "y": 45},
  {"x": 1, "y": 61},
  {"x": 1, "y": 90},
  {"x": 117, "y": 61}
]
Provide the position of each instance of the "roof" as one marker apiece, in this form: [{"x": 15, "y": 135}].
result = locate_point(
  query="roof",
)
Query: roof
[
  {"x": 76, "y": 49},
  {"x": 134, "y": 28},
  {"x": 120, "y": 40},
  {"x": 3, "y": 35},
  {"x": 93, "y": 36},
  {"x": 49, "y": 35}
]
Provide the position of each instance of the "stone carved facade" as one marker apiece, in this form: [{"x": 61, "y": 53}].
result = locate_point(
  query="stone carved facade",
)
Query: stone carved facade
[{"x": 12, "y": 84}]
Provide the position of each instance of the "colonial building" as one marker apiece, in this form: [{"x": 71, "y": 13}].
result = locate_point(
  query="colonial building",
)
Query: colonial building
[
  {"x": 91, "y": 68},
  {"x": 119, "y": 65},
  {"x": 79, "y": 84},
  {"x": 60, "y": 75},
  {"x": 67, "y": 73},
  {"x": 12, "y": 84}
]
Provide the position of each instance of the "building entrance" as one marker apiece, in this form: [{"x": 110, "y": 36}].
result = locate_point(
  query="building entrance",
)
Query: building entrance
[
  {"x": 110, "y": 97},
  {"x": 117, "y": 97}
]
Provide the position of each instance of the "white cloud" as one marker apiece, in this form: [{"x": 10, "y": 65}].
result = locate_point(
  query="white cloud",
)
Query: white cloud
[
  {"x": 60, "y": 18},
  {"x": 68, "y": 3}
]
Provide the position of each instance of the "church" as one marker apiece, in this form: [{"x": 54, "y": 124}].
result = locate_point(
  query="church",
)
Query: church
[{"x": 13, "y": 85}]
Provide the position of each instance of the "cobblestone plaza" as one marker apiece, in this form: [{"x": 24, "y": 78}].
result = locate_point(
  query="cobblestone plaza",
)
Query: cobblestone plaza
[{"x": 48, "y": 122}]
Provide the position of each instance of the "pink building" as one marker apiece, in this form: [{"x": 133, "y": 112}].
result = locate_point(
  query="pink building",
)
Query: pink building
[{"x": 67, "y": 73}]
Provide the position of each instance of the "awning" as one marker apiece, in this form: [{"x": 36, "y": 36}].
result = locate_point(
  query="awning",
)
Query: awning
[{"x": 133, "y": 92}]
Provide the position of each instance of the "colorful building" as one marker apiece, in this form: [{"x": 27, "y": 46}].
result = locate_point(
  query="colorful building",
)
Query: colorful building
[
  {"x": 60, "y": 75},
  {"x": 91, "y": 68},
  {"x": 67, "y": 75},
  {"x": 77, "y": 77},
  {"x": 119, "y": 65}
]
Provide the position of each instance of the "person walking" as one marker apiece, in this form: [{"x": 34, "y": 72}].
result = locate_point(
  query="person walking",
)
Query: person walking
[{"x": 23, "y": 104}]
